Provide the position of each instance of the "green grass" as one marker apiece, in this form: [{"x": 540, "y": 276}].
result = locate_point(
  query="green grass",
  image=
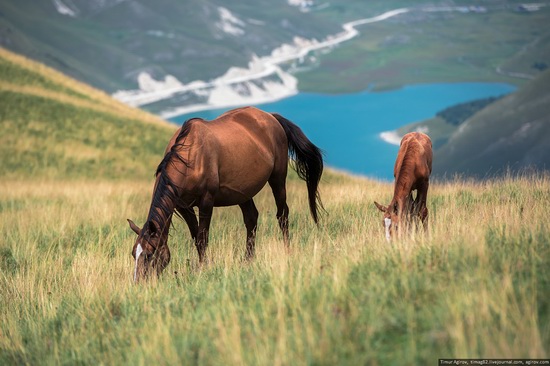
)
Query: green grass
[
  {"x": 58, "y": 128},
  {"x": 474, "y": 286},
  {"x": 59, "y": 139}
]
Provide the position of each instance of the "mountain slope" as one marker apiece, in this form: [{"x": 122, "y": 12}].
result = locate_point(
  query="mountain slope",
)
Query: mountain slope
[
  {"x": 55, "y": 127},
  {"x": 512, "y": 133},
  {"x": 108, "y": 43}
]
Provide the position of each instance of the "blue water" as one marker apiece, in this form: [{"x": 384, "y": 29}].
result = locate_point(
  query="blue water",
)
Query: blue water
[{"x": 347, "y": 126}]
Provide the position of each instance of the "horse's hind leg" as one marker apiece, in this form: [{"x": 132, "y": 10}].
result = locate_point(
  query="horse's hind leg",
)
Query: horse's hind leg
[
  {"x": 278, "y": 186},
  {"x": 206, "y": 207},
  {"x": 250, "y": 216}
]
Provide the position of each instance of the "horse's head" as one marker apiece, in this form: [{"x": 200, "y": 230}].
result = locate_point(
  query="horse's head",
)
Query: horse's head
[
  {"x": 390, "y": 220},
  {"x": 150, "y": 250}
]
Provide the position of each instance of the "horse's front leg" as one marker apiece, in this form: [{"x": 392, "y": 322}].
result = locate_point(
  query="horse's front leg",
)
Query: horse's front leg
[
  {"x": 191, "y": 220},
  {"x": 162, "y": 258},
  {"x": 206, "y": 207}
]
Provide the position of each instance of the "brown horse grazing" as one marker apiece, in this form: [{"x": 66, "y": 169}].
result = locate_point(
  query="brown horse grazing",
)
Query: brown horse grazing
[
  {"x": 224, "y": 162},
  {"x": 412, "y": 172}
]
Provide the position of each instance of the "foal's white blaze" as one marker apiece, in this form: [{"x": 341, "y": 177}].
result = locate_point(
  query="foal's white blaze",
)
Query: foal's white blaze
[
  {"x": 139, "y": 250},
  {"x": 387, "y": 223}
]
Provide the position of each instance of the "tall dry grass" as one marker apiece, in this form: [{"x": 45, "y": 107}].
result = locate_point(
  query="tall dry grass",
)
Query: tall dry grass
[{"x": 475, "y": 285}]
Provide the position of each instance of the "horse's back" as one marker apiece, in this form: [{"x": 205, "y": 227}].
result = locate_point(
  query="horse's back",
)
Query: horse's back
[
  {"x": 249, "y": 130},
  {"x": 416, "y": 148},
  {"x": 238, "y": 151},
  {"x": 423, "y": 152},
  {"x": 252, "y": 123}
]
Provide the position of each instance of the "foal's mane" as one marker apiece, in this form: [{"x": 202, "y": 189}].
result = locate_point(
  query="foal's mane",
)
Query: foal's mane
[
  {"x": 406, "y": 169},
  {"x": 409, "y": 159},
  {"x": 166, "y": 194}
]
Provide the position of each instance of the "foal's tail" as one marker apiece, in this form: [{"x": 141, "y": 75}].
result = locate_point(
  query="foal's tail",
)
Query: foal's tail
[{"x": 308, "y": 162}]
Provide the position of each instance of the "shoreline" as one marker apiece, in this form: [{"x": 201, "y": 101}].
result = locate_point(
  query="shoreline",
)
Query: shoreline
[{"x": 171, "y": 113}]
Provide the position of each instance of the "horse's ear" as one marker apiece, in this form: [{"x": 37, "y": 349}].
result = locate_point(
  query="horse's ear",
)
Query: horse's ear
[
  {"x": 134, "y": 227},
  {"x": 380, "y": 207}
]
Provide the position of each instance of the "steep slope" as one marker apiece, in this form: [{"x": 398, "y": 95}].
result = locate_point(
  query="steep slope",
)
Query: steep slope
[
  {"x": 55, "y": 127},
  {"x": 512, "y": 133}
]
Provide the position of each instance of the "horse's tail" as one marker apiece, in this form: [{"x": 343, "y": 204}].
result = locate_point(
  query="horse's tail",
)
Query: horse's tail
[{"x": 308, "y": 162}]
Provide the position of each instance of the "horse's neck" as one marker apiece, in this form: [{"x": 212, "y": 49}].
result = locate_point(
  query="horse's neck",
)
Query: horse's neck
[
  {"x": 402, "y": 188},
  {"x": 163, "y": 203},
  {"x": 161, "y": 215}
]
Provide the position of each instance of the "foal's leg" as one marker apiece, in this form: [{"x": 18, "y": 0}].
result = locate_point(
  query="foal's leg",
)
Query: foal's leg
[
  {"x": 278, "y": 186},
  {"x": 413, "y": 204},
  {"x": 410, "y": 211},
  {"x": 250, "y": 216},
  {"x": 422, "y": 209},
  {"x": 205, "y": 215}
]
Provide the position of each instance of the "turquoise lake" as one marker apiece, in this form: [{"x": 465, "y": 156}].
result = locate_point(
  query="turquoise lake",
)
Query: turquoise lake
[{"x": 347, "y": 126}]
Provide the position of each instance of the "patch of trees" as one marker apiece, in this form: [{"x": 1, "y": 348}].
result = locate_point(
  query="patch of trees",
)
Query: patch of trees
[{"x": 459, "y": 113}]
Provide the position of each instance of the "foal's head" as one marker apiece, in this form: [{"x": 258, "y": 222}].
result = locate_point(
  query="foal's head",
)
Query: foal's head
[
  {"x": 391, "y": 219},
  {"x": 150, "y": 250}
]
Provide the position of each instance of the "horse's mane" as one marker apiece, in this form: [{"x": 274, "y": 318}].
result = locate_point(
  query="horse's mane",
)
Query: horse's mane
[{"x": 166, "y": 190}]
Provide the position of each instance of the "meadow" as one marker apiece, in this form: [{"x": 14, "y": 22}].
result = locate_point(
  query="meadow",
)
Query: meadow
[
  {"x": 76, "y": 164},
  {"x": 475, "y": 285}
]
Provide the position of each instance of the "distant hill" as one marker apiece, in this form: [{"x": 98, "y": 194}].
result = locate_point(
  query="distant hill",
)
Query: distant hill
[
  {"x": 55, "y": 127},
  {"x": 512, "y": 133},
  {"x": 458, "y": 114},
  {"x": 107, "y": 43}
]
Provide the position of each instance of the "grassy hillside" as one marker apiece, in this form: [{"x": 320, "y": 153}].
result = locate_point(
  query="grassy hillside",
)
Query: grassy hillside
[
  {"x": 55, "y": 127},
  {"x": 513, "y": 132}
]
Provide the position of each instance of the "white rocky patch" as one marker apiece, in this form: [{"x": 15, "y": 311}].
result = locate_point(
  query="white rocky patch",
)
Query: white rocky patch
[
  {"x": 249, "y": 92},
  {"x": 160, "y": 34},
  {"x": 64, "y": 9},
  {"x": 391, "y": 137},
  {"x": 148, "y": 84},
  {"x": 422, "y": 129},
  {"x": 229, "y": 23},
  {"x": 304, "y": 5}
]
